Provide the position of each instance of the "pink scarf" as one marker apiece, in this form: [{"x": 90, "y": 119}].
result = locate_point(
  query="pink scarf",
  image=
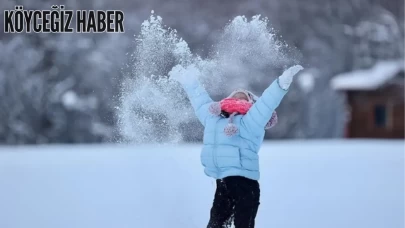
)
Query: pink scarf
[
  {"x": 231, "y": 105},
  {"x": 234, "y": 106}
]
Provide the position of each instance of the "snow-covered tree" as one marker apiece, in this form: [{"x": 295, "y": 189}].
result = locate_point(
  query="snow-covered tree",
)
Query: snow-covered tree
[
  {"x": 377, "y": 37},
  {"x": 59, "y": 87}
]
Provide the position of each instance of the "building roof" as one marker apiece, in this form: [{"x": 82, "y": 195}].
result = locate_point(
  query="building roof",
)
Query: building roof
[{"x": 368, "y": 79}]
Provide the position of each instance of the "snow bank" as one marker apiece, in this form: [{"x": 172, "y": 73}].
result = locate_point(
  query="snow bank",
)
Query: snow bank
[
  {"x": 312, "y": 184},
  {"x": 368, "y": 79}
]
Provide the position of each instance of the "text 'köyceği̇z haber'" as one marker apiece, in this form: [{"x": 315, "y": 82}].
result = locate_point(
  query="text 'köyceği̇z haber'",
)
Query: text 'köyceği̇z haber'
[{"x": 60, "y": 20}]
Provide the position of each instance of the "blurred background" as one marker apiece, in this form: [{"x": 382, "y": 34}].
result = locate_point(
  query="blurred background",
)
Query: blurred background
[{"x": 65, "y": 88}]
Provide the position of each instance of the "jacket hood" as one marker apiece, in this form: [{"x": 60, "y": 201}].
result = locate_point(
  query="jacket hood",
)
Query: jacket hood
[{"x": 252, "y": 98}]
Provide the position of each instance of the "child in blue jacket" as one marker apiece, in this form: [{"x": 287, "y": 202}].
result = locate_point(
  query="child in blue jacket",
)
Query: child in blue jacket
[{"x": 233, "y": 133}]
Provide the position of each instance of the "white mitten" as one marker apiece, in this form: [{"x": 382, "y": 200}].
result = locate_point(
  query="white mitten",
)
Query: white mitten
[
  {"x": 183, "y": 75},
  {"x": 286, "y": 78}
]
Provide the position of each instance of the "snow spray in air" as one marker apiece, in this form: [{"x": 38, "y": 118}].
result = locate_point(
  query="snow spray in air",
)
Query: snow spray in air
[{"x": 156, "y": 110}]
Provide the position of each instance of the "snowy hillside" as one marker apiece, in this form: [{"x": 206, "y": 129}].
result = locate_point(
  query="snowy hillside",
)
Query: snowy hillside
[{"x": 314, "y": 184}]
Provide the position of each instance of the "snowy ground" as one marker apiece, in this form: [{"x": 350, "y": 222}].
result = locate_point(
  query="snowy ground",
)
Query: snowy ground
[{"x": 314, "y": 184}]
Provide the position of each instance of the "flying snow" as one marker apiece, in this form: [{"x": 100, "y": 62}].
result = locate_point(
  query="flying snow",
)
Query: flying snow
[{"x": 153, "y": 109}]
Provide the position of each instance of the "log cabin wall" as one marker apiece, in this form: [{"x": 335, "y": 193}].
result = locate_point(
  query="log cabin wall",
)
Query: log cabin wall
[{"x": 377, "y": 114}]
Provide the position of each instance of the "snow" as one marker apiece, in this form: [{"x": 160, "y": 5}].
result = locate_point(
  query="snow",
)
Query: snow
[
  {"x": 147, "y": 91},
  {"x": 368, "y": 79},
  {"x": 382, "y": 28},
  {"x": 379, "y": 32},
  {"x": 242, "y": 54},
  {"x": 306, "y": 81},
  {"x": 306, "y": 184},
  {"x": 70, "y": 99}
]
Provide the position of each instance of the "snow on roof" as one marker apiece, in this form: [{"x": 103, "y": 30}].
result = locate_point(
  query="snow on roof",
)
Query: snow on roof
[{"x": 368, "y": 79}]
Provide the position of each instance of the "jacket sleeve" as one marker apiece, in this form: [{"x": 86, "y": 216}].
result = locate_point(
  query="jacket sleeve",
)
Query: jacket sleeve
[
  {"x": 199, "y": 98},
  {"x": 260, "y": 113}
]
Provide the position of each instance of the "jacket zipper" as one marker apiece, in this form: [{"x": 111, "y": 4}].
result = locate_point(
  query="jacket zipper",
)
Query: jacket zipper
[{"x": 214, "y": 154}]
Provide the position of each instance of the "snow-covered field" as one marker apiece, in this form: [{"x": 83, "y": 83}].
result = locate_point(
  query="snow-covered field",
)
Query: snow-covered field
[{"x": 304, "y": 184}]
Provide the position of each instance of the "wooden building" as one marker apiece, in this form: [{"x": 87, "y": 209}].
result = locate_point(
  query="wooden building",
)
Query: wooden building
[{"x": 375, "y": 100}]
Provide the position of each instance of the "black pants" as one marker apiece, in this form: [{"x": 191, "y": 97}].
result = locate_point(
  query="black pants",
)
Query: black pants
[{"x": 236, "y": 199}]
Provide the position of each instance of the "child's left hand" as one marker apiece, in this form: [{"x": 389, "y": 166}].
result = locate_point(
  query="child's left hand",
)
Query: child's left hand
[
  {"x": 184, "y": 75},
  {"x": 287, "y": 77}
]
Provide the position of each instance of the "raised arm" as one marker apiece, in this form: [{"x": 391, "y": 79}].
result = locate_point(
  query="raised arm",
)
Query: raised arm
[
  {"x": 198, "y": 96},
  {"x": 260, "y": 113}
]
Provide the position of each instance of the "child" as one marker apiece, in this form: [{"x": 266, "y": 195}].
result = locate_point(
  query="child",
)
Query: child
[{"x": 233, "y": 133}]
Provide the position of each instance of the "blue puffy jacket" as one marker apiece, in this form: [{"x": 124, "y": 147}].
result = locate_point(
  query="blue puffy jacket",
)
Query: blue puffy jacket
[{"x": 237, "y": 155}]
